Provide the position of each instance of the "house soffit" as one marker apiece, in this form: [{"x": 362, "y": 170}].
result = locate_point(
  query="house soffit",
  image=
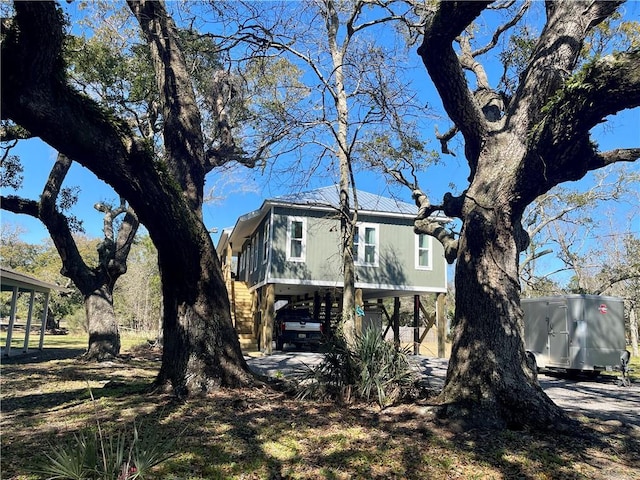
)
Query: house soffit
[{"x": 322, "y": 199}]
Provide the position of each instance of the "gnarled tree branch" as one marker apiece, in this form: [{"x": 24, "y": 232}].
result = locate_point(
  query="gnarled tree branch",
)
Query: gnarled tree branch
[
  {"x": 614, "y": 156},
  {"x": 562, "y": 138},
  {"x": 183, "y": 139},
  {"x": 425, "y": 223},
  {"x": 441, "y": 61}
]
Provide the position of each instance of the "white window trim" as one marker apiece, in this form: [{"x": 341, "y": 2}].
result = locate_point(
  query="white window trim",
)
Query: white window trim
[
  {"x": 266, "y": 241},
  {"x": 254, "y": 253},
  {"x": 417, "y": 252},
  {"x": 361, "y": 246},
  {"x": 247, "y": 261},
  {"x": 303, "y": 257}
]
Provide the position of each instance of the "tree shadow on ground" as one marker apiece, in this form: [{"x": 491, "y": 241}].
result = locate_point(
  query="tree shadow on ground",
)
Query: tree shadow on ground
[
  {"x": 261, "y": 433},
  {"x": 597, "y": 449},
  {"x": 586, "y": 453},
  {"x": 44, "y": 355}
]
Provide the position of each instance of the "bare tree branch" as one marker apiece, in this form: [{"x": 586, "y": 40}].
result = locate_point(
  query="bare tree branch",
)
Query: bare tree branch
[
  {"x": 445, "y": 138},
  {"x": 440, "y": 233},
  {"x": 617, "y": 155},
  {"x": 531, "y": 258},
  {"x": 503, "y": 28},
  {"x": 18, "y": 205},
  {"x": 621, "y": 277}
]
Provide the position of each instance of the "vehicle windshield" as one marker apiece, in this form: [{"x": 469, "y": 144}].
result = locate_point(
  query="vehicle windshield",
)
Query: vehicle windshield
[{"x": 291, "y": 314}]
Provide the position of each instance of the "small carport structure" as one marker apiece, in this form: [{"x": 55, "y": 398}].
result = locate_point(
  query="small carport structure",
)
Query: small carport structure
[{"x": 17, "y": 283}]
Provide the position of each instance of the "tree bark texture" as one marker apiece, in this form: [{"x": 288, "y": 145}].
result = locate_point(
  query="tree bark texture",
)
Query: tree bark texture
[
  {"x": 633, "y": 328},
  {"x": 347, "y": 218},
  {"x": 514, "y": 156},
  {"x": 104, "y": 335},
  {"x": 200, "y": 346},
  {"x": 488, "y": 381}
]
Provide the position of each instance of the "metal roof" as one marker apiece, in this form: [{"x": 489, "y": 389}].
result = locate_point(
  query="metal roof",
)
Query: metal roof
[
  {"x": 330, "y": 197},
  {"x": 325, "y": 198},
  {"x": 10, "y": 278}
]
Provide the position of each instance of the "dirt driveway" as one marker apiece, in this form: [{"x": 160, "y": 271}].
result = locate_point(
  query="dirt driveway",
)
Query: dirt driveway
[{"x": 600, "y": 398}]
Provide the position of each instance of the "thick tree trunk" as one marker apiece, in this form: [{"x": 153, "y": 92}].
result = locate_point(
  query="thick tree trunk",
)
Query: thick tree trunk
[
  {"x": 201, "y": 350},
  {"x": 104, "y": 335},
  {"x": 95, "y": 284},
  {"x": 489, "y": 383},
  {"x": 517, "y": 148},
  {"x": 201, "y": 347}
]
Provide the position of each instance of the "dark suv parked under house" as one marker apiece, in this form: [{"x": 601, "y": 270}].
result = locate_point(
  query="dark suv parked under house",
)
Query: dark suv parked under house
[{"x": 297, "y": 327}]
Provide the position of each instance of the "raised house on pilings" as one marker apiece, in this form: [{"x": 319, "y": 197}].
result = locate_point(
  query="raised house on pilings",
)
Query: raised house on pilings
[{"x": 288, "y": 252}]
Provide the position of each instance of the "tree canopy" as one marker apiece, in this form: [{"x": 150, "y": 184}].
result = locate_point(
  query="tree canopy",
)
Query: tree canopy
[
  {"x": 201, "y": 350},
  {"x": 523, "y": 133},
  {"x": 518, "y": 146}
]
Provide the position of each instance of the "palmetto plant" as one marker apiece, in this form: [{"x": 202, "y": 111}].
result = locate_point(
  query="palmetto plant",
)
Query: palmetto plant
[
  {"x": 372, "y": 369},
  {"x": 95, "y": 455}
]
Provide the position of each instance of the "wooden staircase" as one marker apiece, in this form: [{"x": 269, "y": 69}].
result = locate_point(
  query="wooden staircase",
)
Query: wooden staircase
[{"x": 243, "y": 312}]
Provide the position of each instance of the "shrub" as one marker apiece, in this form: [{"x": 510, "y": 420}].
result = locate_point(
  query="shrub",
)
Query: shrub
[
  {"x": 96, "y": 455},
  {"x": 372, "y": 370}
]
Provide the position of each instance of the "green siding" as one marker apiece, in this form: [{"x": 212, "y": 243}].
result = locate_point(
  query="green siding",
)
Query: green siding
[
  {"x": 256, "y": 268},
  {"x": 397, "y": 256},
  {"x": 396, "y": 249},
  {"x": 322, "y": 260}
]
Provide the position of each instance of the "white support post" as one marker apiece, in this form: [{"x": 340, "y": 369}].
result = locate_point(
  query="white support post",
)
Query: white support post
[
  {"x": 44, "y": 320},
  {"x": 12, "y": 320},
  {"x": 25, "y": 346}
]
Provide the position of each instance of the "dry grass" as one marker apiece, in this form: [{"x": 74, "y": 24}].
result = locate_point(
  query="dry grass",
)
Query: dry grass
[{"x": 263, "y": 434}]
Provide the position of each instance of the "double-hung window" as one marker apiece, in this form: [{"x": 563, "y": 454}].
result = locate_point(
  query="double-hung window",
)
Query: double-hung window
[
  {"x": 296, "y": 239},
  {"x": 423, "y": 252},
  {"x": 365, "y": 244}
]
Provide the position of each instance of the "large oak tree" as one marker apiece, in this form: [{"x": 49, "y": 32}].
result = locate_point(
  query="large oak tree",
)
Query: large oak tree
[
  {"x": 517, "y": 148},
  {"x": 201, "y": 349},
  {"x": 96, "y": 283}
]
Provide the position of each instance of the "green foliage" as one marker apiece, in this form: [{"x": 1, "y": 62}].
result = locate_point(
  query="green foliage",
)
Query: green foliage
[
  {"x": 15, "y": 253},
  {"x": 515, "y": 57},
  {"x": 94, "y": 454},
  {"x": 612, "y": 34},
  {"x": 110, "y": 73},
  {"x": 40, "y": 261},
  {"x": 137, "y": 296},
  {"x": 373, "y": 370},
  {"x": 399, "y": 149},
  {"x": 76, "y": 321},
  {"x": 11, "y": 172}
]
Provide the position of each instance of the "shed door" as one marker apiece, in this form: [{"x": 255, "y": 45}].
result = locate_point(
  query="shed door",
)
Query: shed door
[{"x": 558, "y": 334}]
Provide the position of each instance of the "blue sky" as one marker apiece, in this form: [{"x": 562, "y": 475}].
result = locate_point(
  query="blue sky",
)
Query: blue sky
[
  {"x": 243, "y": 190},
  {"x": 246, "y": 189}
]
